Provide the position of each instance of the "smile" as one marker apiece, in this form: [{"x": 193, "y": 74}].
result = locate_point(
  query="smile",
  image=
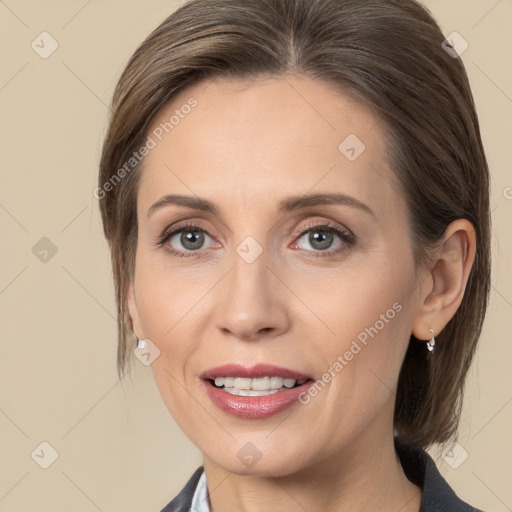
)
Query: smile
[{"x": 254, "y": 392}]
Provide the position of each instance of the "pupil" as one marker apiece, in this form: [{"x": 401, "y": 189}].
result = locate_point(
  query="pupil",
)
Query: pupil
[
  {"x": 192, "y": 239},
  {"x": 319, "y": 241}
]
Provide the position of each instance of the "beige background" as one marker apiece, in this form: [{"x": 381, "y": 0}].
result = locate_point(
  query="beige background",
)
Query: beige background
[{"x": 118, "y": 448}]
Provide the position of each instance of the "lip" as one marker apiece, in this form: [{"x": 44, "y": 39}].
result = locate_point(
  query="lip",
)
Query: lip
[
  {"x": 253, "y": 372},
  {"x": 254, "y": 407}
]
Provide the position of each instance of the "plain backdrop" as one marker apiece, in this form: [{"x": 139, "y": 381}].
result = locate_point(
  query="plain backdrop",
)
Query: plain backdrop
[{"x": 117, "y": 447}]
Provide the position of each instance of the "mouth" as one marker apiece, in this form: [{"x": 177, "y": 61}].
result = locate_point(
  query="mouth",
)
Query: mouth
[{"x": 254, "y": 392}]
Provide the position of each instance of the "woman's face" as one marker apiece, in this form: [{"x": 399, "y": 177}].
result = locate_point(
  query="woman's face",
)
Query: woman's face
[{"x": 262, "y": 268}]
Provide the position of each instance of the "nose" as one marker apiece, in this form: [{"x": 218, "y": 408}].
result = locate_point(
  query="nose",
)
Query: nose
[{"x": 252, "y": 301}]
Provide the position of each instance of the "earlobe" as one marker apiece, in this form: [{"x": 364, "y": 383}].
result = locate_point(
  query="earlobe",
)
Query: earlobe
[{"x": 441, "y": 294}]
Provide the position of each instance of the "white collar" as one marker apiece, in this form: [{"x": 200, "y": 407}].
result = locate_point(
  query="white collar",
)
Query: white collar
[{"x": 200, "y": 500}]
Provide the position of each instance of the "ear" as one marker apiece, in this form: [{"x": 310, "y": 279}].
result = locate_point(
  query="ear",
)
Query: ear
[
  {"x": 442, "y": 288},
  {"x": 134, "y": 312}
]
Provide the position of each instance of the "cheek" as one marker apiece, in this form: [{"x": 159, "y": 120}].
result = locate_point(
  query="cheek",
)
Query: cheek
[
  {"x": 370, "y": 314},
  {"x": 355, "y": 298},
  {"x": 363, "y": 318},
  {"x": 166, "y": 308},
  {"x": 167, "y": 294},
  {"x": 166, "y": 305}
]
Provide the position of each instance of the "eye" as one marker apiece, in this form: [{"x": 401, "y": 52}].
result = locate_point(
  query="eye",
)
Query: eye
[
  {"x": 190, "y": 240},
  {"x": 324, "y": 238},
  {"x": 185, "y": 239}
]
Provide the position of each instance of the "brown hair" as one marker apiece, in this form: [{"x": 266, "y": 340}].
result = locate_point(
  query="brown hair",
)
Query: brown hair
[{"x": 389, "y": 55}]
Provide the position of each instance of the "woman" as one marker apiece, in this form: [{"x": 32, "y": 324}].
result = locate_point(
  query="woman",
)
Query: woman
[{"x": 295, "y": 194}]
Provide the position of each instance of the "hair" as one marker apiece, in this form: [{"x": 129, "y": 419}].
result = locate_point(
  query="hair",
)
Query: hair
[{"x": 389, "y": 55}]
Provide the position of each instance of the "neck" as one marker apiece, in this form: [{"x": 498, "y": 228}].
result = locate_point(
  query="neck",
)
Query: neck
[{"x": 363, "y": 475}]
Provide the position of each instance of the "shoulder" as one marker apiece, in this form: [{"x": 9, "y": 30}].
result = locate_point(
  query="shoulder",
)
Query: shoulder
[
  {"x": 437, "y": 495},
  {"x": 182, "y": 502}
]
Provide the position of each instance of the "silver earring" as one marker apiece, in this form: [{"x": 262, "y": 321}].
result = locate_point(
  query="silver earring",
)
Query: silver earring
[
  {"x": 141, "y": 344},
  {"x": 431, "y": 343}
]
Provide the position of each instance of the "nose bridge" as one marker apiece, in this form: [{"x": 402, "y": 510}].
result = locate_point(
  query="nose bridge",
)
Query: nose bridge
[{"x": 249, "y": 278}]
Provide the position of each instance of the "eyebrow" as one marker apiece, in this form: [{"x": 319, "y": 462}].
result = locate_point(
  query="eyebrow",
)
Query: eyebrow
[{"x": 288, "y": 204}]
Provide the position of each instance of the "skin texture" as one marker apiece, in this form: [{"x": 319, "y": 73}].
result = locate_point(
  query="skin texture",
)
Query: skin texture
[{"x": 245, "y": 147}]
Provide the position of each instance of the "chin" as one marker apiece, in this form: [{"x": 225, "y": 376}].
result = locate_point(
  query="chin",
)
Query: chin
[
  {"x": 261, "y": 468},
  {"x": 269, "y": 460}
]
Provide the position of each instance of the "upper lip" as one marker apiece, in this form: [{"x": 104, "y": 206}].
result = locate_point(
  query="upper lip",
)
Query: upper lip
[{"x": 253, "y": 372}]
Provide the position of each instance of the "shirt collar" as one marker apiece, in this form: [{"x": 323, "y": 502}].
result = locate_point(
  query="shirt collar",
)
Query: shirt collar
[{"x": 200, "y": 500}]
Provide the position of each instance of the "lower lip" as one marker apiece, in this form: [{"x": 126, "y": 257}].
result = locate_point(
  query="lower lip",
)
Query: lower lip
[{"x": 255, "y": 407}]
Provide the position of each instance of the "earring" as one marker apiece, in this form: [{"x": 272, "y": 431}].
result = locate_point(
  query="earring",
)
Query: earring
[
  {"x": 431, "y": 343},
  {"x": 141, "y": 344}
]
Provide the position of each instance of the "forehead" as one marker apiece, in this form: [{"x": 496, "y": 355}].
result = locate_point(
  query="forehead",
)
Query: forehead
[{"x": 265, "y": 139}]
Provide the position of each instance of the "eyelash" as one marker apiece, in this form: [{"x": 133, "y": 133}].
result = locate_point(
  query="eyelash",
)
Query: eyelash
[{"x": 347, "y": 238}]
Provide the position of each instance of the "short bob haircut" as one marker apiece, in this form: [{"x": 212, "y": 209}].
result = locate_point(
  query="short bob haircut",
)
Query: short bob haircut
[{"x": 390, "y": 56}]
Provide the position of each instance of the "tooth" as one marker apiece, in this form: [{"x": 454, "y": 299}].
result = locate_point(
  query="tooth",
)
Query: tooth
[
  {"x": 276, "y": 382},
  {"x": 252, "y": 392},
  {"x": 289, "y": 383},
  {"x": 261, "y": 384},
  {"x": 232, "y": 391},
  {"x": 242, "y": 383}
]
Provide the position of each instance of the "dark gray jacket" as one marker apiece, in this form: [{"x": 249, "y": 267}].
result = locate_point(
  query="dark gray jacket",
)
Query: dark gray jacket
[{"x": 418, "y": 465}]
